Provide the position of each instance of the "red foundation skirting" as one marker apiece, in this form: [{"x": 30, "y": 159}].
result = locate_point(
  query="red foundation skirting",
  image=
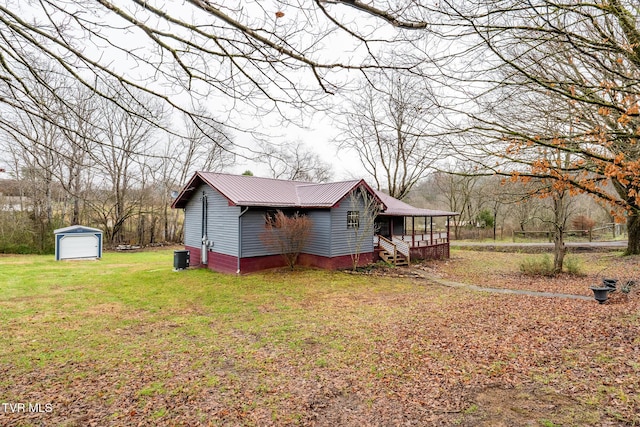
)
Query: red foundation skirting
[
  {"x": 440, "y": 251},
  {"x": 249, "y": 265},
  {"x": 333, "y": 263},
  {"x": 222, "y": 263},
  {"x": 229, "y": 264},
  {"x": 216, "y": 261}
]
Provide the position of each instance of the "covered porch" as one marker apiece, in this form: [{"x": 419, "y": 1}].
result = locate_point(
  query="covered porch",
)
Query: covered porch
[{"x": 405, "y": 233}]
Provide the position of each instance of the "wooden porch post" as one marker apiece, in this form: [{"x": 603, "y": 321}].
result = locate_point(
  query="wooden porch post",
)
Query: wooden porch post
[
  {"x": 448, "y": 220},
  {"x": 430, "y": 229},
  {"x": 413, "y": 231}
]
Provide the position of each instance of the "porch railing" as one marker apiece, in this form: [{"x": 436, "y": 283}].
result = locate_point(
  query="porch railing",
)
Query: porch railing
[
  {"x": 402, "y": 247},
  {"x": 393, "y": 247},
  {"x": 423, "y": 239},
  {"x": 388, "y": 246}
]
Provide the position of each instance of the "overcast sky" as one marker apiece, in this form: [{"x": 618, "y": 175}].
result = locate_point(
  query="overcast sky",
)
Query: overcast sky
[{"x": 123, "y": 45}]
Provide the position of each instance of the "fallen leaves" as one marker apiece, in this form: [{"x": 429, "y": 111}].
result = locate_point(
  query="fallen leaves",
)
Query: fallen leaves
[{"x": 347, "y": 350}]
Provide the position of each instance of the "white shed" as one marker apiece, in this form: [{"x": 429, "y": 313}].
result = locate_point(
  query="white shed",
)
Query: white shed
[{"x": 78, "y": 242}]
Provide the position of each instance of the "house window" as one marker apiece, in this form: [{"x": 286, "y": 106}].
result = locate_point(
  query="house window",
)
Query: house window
[
  {"x": 270, "y": 216},
  {"x": 353, "y": 219}
]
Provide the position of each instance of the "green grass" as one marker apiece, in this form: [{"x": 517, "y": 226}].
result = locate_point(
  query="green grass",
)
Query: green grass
[
  {"x": 127, "y": 341},
  {"x": 130, "y": 311}
]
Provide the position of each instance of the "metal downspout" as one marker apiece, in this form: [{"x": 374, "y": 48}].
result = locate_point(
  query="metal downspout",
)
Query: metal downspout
[
  {"x": 242, "y": 212},
  {"x": 204, "y": 248}
]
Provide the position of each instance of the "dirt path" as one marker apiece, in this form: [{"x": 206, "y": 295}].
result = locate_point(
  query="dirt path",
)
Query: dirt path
[
  {"x": 421, "y": 274},
  {"x": 506, "y": 291}
]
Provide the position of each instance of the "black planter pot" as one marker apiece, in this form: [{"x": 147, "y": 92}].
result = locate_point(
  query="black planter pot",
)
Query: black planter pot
[
  {"x": 601, "y": 294},
  {"x": 610, "y": 283}
]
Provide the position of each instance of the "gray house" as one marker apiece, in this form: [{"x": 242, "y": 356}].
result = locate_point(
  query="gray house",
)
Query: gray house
[{"x": 225, "y": 217}]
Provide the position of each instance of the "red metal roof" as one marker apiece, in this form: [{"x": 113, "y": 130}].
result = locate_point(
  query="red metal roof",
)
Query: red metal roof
[
  {"x": 242, "y": 190},
  {"x": 325, "y": 194},
  {"x": 245, "y": 190},
  {"x": 253, "y": 191}
]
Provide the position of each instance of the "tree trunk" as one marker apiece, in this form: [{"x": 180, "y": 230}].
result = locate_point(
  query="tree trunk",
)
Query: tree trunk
[
  {"x": 559, "y": 250},
  {"x": 75, "y": 219},
  {"x": 152, "y": 230},
  {"x": 633, "y": 230},
  {"x": 495, "y": 217},
  {"x": 560, "y": 206},
  {"x": 165, "y": 221}
]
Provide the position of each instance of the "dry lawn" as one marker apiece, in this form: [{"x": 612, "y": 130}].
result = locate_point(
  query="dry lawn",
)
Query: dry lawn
[{"x": 125, "y": 341}]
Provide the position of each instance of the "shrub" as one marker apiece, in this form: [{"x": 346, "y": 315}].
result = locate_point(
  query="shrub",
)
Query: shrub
[
  {"x": 537, "y": 266},
  {"x": 17, "y": 248},
  {"x": 485, "y": 218},
  {"x": 583, "y": 222},
  {"x": 572, "y": 265},
  {"x": 287, "y": 235}
]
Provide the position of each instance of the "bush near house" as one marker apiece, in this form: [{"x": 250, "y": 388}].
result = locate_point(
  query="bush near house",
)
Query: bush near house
[{"x": 287, "y": 234}]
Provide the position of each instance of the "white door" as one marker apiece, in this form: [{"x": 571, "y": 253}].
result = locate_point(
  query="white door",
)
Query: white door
[{"x": 81, "y": 246}]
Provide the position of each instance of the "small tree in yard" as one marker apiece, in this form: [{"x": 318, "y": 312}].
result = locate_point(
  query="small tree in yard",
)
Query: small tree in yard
[
  {"x": 287, "y": 235},
  {"x": 485, "y": 218},
  {"x": 583, "y": 223},
  {"x": 362, "y": 225}
]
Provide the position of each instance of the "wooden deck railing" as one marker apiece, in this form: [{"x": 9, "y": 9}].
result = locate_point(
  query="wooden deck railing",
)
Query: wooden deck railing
[
  {"x": 422, "y": 249},
  {"x": 402, "y": 247},
  {"x": 423, "y": 239},
  {"x": 388, "y": 246}
]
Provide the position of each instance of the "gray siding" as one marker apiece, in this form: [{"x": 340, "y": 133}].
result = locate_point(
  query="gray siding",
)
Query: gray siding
[
  {"x": 222, "y": 222},
  {"x": 343, "y": 240},
  {"x": 330, "y": 237},
  {"x": 253, "y": 227},
  {"x": 320, "y": 243}
]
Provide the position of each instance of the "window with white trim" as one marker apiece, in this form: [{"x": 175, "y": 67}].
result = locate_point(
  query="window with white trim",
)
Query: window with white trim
[{"x": 353, "y": 219}]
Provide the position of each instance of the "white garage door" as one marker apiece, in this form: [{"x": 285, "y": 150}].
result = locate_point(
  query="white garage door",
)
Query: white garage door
[{"x": 83, "y": 246}]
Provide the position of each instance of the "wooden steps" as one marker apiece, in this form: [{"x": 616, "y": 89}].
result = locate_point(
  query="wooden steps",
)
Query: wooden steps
[{"x": 399, "y": 260}]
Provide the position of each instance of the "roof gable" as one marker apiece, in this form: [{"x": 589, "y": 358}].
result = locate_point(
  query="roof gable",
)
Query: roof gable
[
  {"x": 77, "y": 229},
  {"x": 245, "y": 190}
]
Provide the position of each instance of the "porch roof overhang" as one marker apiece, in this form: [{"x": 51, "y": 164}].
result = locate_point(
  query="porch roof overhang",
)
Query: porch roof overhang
[
  {"x": 396, "y": 207},
  {"x": 417, "y": 213}
]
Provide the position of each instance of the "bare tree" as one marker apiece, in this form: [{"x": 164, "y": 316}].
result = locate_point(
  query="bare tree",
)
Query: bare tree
[
  {"x": 389, "y": 125},
  {"x": 361, "y": 223},
  {"x": 564, "y": 76},
  {"x": 493, "y": 199},
  {"x": 79, "y": 132},
  {"x": 125, "y": 140},
  {"x": 458, "y": 188},
  {"x": 206, "y": 146},
  {"x": 35, "y": 145},
  {"x": 294, "y": 162},
  {"x": 287, "y": 235},
  {"x": 250, "y": 53}
]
